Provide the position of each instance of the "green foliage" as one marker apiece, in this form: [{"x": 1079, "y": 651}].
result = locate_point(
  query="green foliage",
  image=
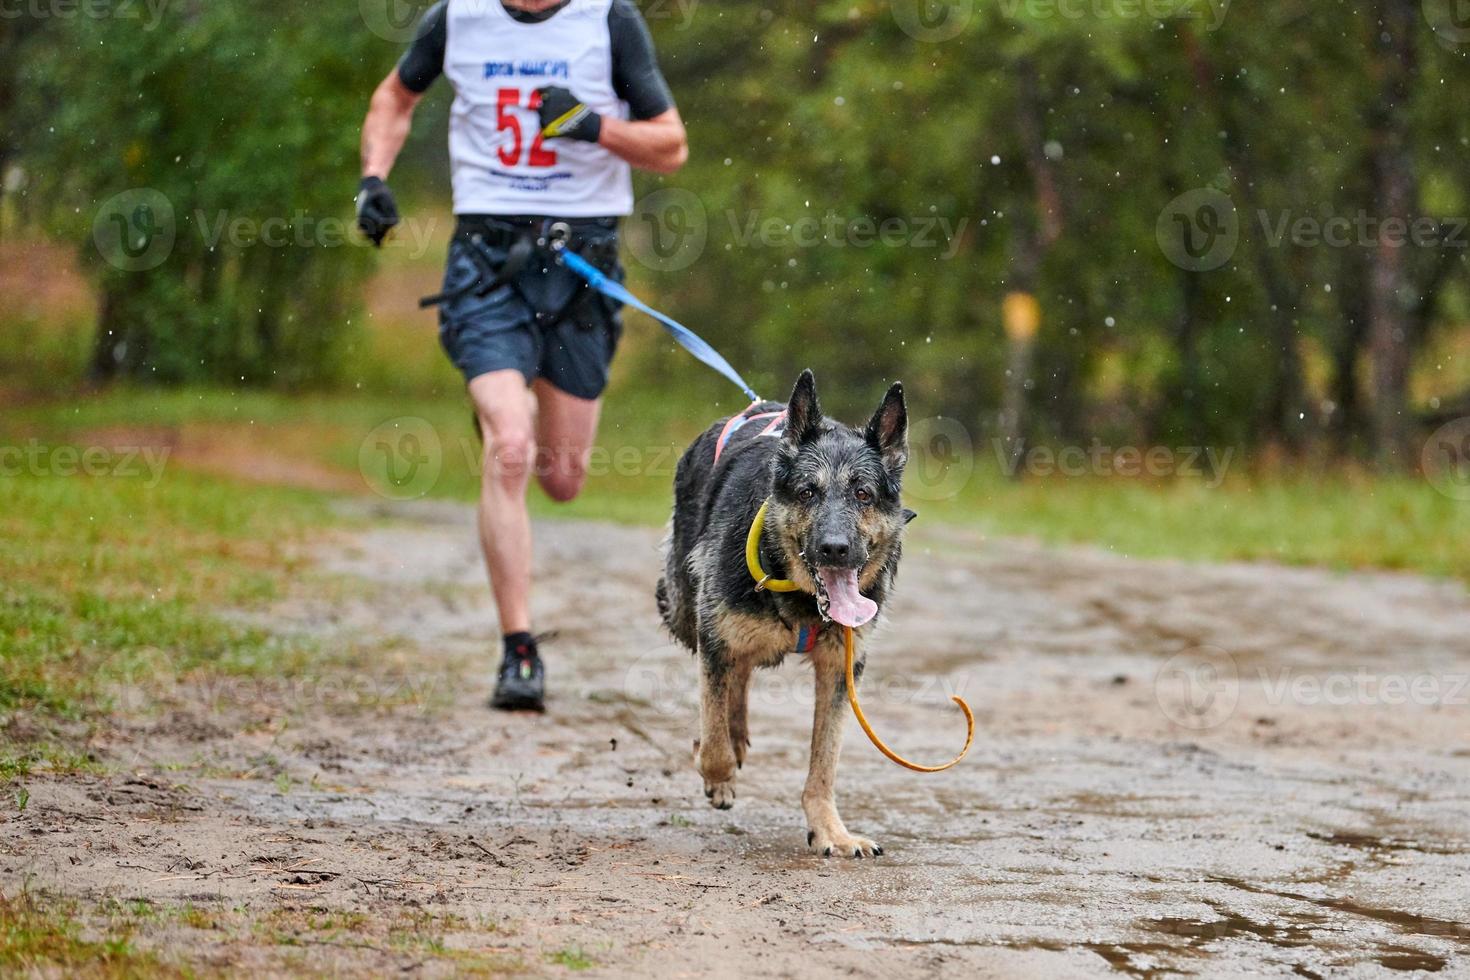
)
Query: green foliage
[
  {"x": 239, "y": 115},
  {"x": 833, "y": 108},
  {"x": 1036, "y": 148}
]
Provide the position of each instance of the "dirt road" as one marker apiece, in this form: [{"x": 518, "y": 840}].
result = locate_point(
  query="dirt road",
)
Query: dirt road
[{"x": 1177, "y": 769}]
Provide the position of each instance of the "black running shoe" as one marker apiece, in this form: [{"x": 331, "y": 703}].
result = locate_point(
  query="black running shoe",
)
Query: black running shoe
[{"x": 522, "y": 682}]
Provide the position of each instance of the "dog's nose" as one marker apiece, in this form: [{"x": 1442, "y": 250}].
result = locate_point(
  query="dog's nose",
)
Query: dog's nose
[{"x": 834, "y": 550}]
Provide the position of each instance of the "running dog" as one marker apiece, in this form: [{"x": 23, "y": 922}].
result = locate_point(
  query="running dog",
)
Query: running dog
[{"x": 833, "y": 525}]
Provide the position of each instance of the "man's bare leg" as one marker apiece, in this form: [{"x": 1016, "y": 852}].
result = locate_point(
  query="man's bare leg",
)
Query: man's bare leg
[
  {"x": 511, "y": 416},
  {"x": 565, "y": 428},
  {"x": 507, "y": 412}
]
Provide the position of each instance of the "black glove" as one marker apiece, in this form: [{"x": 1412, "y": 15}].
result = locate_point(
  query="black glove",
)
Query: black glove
[
  {"x": 564, "y": 115},
  {"x": 376, "y": 210}
]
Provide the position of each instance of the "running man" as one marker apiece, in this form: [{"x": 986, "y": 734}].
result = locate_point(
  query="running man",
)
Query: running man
[{"x": 555, "y": 101}]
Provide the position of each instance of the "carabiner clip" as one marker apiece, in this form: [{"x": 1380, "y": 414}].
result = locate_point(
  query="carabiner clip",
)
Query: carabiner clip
[{"x": 556, "y": 236}]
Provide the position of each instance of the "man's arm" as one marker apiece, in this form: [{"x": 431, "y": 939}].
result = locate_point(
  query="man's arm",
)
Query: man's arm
[
  {"x": 654, "y": 138},
  {"x": 384, "y": 131},
  {"x": 658, "y": 144}
]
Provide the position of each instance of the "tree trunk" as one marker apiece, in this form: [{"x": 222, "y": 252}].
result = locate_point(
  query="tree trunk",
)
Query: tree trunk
[
  {"x": 1281, "y": 413},
  {"x": 1390, "y": 294},
  {"x": 1029, "y": 244}
]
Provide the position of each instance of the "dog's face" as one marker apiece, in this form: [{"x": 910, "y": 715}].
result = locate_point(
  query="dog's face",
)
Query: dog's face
[{"x": 835, "y": 506}]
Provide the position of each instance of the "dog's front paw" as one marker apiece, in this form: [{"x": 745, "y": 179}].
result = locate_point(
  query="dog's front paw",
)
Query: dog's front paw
[
  {"x": 721, "y": 794},
  {"x": 836, "y": 840}
]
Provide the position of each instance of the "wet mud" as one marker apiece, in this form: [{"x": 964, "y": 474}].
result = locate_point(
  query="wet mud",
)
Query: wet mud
[{"x": 1178, "y": 769}]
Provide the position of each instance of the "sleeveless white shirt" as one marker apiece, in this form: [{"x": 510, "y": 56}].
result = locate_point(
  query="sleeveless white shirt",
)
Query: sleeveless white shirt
[{"x": 499, "y": 163}]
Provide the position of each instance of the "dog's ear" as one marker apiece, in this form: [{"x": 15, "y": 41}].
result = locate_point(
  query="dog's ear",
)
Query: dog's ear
[
  {"x": 803, "y": 413},
  {"x": 888, "y": 429}
]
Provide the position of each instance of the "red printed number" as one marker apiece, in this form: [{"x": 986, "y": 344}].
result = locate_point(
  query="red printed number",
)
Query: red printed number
[{"x": 538, "y": 155}]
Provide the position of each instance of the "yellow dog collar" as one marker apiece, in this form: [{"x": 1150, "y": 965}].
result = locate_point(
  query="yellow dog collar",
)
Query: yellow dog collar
[{"x": 753, "y": 556}]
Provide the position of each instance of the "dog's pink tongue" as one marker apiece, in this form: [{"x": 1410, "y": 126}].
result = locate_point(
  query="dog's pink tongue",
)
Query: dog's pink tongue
[{"x": 846, "y": 604}]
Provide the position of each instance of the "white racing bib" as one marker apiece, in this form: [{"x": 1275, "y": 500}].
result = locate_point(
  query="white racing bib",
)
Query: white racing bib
[{"x": 499, "y": 162}]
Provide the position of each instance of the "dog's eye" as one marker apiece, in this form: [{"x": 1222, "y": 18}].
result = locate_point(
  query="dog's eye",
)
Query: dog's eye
[
  {"x": 863, "y": 495},
  {"x": 806, "y": 495}
]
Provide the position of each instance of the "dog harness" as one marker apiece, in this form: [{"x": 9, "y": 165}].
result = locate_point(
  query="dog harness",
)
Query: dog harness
[{"x": 774, "y": 427}]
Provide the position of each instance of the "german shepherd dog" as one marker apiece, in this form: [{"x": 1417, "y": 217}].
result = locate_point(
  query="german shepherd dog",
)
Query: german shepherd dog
[{"x": 834, "y": 526}]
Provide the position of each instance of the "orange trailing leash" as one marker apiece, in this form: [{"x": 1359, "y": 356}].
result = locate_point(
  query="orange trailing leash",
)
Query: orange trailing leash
[
  {"x": 764, "y": 581},
  {"x": 857, "y": 710}
]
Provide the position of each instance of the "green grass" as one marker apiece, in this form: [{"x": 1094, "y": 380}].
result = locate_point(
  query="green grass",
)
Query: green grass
[
  {"x": 1339, "y": 518},
  {"x": 1341, "y": 521},
  {"x": 108, "y": 584},
  {"x": 573, "y": 958},
  {"x": 45, "y": 937}
]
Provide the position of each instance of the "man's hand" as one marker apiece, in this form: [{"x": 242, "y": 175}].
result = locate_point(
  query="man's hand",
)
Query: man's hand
[
  {"x": 564, "y": 115},
  {"x": 376, "y": 210}
]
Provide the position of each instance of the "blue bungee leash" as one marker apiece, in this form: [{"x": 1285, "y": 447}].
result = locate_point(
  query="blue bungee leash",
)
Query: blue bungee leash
[{"x": 611, "y": 288}]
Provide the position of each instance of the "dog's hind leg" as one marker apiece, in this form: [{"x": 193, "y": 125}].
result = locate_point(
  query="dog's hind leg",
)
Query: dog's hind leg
[
  {"x": 826, "y": 834},
  {"x": 713, "y": 753}
]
